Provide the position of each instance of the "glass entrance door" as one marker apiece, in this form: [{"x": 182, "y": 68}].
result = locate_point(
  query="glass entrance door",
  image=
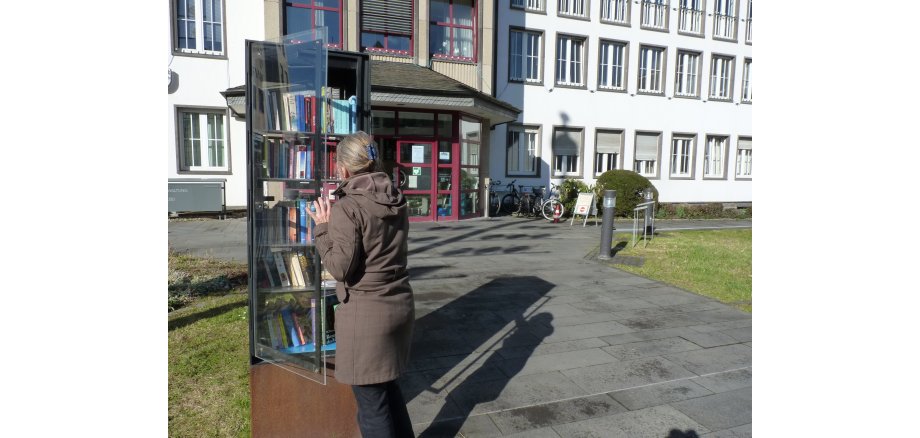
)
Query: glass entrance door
[{"x": 417, "y": 178}]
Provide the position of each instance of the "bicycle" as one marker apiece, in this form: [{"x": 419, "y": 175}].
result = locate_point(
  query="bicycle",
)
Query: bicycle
[
  {"x": 531, "y": 200},
  {"x": 493, "y": 200},
  {"x": 548, "y": 206},
  {"x": 512, "y": 201}
]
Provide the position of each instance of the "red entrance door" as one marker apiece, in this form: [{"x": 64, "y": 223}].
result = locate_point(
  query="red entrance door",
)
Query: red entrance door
[{"x": 417, "y": 178}]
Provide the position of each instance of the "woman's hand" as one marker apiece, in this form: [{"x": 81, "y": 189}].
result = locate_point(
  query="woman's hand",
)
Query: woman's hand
[{"x": 322, "y": 211}]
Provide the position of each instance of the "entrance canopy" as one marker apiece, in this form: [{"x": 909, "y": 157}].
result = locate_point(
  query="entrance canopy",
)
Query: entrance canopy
[{"x": 403, "y": 84}]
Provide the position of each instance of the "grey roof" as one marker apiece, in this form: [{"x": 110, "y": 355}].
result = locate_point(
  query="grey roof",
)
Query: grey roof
[{"x": 414, "y": 79}]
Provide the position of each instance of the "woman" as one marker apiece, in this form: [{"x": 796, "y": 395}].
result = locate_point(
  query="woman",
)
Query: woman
[{"x": 362, "y": 242}]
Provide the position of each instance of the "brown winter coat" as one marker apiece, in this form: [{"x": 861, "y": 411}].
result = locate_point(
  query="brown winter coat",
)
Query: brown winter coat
[{"x": 364, "y": 247}]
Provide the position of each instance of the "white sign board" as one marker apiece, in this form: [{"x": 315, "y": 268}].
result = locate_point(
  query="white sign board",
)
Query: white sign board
[
  {"x": 584, "y": 205},
  {"x": 418, "y": 153}
]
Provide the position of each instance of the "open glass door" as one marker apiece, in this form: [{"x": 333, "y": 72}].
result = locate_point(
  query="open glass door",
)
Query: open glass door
[{"x": 416, "y": 178}]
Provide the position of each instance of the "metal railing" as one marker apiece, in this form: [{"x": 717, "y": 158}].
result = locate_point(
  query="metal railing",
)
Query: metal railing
[
  {"x": 654, "y": 15},
  {"x": 723, "y": 26},
  {"x": 690, "y": 21},
  {"x": 648, "y": 225}
]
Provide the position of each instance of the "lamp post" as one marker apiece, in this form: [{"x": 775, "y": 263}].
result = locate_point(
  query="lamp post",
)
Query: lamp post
[
  {"x": 649, "y": 195},
  {"x": 610, "y": 203}
]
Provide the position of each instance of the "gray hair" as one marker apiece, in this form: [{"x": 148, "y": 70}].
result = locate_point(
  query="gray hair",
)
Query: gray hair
[{"x": 358, "y": 153}]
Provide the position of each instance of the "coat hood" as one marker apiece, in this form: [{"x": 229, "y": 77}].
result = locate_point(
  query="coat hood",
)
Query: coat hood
[{"x": 374, "y": 192}]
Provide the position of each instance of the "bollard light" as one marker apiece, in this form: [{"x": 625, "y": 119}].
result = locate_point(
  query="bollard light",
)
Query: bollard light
[{"x": 610, "y": 203}]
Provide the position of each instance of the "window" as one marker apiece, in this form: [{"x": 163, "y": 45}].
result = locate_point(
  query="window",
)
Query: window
[
  {"x": 655, "y": 14},
  {"x": 386, "y": 26},
  {"x": 686, "y": 82},
  {"x": 202, "y": 142},
  {"x": 530, "y": 5},
  {"x": 523, "y": 155},
  {"x": 651, "y": 60},
  {"x": 647, "y": 154},
  {"x": 615, "y": 11},
  {"x": 723, "y": 19},
  {"x": 720, "y": 77},
  {"x": 691, "y": 17},
  {"x": 611, "y": 73},
  {"x": 304, "y": 15},
  {"x": 200, "y": 27},
  {"x": 452, "y": 31},
  {"x": 525, "y": 63},
  {"x": 608, "y": 150},
  {"x": 713, "y": 165},
  {"x": 743, "y": 162},
  {"x": 567, "y": 144},
  {"x": 747, "y": 36},
  {"x": 569, "y": 55},
  {"x": 746, "y": 93},
  {"x": 574, "y": 8},
  {"x": 682, "y": 157}
]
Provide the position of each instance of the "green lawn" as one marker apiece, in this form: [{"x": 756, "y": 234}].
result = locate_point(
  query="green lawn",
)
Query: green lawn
[
  {"x": 713, "y": 263},
  {"x": 208, "y": 350}
]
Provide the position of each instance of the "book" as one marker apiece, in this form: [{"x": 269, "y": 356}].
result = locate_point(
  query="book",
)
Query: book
[
  {"x": 272, "y": 330},
  {"x": 282, "y": 270},
  {"x": 271, "y": 272},
  {"x": 302, "y": 161},
  {"x": 289, "y": 326},
  {"x": 298, "y": 325},
  {"x": 306, "y": 265},
  {"x": 296, "y": 270},
  {"x": 302, "y": 219},
  {"x": 291, "y": 224},
  {"x": 279, "y": 324}
]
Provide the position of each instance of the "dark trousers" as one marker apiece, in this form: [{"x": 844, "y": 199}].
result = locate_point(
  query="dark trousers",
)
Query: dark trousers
[{"x": 382, "y": 411}]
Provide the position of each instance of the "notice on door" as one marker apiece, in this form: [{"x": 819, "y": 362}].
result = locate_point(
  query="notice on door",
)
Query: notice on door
[
  {"x": 413, "y": 182},
  {"x": 418, "y": 153}
]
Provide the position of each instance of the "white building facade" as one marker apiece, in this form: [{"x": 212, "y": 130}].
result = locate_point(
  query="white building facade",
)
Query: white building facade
[
  {"x": 206, "y": 140},
  {"x": 662, "y": 88}
]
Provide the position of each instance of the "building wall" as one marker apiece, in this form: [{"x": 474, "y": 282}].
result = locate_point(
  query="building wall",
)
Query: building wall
[
  {"x": 548, "y": 105},
  {"x": 198, "y": 81}
]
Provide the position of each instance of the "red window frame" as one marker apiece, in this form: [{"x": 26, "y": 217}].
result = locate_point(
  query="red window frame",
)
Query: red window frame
[
  {"x": 386, "y": 42},
  {"x": 311, "y": 5},
  {"x": 449, "y": 24}
]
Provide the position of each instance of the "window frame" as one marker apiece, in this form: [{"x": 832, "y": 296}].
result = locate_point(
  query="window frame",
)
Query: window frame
[
  {"x": 627, "y": 23},
  {"x": 202, "y": 111},
  {"x": 663, "y": 70},
  {"x": 734, "y": 20},
  {"x": 579, "y": 163},
  {"x": 739, "y": 177},
  {"x": 584, "y": 61},
  {"x": 541, "y": 10},
  {"x": 310, "y": 5},
  {"x": 586, "y": 6},
  {"x": 699, "y": 73},
  {"x": 625, "y": 75},
  {"x": 657, "y": 173},
  {"x": 667, "y": 15},
  {"x": 724, "y": 157},
  {"x": 524, "y": 128},
  {"x": 474, "y": 27},
  {"x": 702, "y": 11},
  {"x": 746, "y": 86},
  {"x": 174, "y": 27},
  {"x": 730, "y": 81},
  {"x": 691, "y": 156},
  {"x": 619, "y": 160},
  {"x": 387, "y": 51},
  {"x": 540, "y": 71},
  {"x": 748, "y": 37}
]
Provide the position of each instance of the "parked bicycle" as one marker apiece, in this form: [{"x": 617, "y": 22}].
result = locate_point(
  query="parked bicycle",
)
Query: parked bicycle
[
  {"x": 548, "y": 206},
  {"x": 493, "y": 200},
  {"x": 531, "y": 201},
  {"x": 512, "y": 201}
]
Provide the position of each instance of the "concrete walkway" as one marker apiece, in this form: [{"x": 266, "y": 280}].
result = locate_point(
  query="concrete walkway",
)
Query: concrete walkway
[{"x": 518, "y": 334}]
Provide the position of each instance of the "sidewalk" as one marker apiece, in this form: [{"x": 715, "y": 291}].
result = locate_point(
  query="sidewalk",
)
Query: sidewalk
[{"x": 518, "y": 334}]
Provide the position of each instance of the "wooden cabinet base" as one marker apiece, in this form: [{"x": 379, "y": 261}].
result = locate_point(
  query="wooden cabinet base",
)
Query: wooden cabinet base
[{"x": 286, "y": 405}]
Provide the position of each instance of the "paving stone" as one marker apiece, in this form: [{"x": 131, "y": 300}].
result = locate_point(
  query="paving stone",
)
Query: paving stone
[
  {"x": 612, "y": 305},
  {"x": 658, "y": 421},
  {"x": 478, "y": 426},
  {"x": 727, "y": 381},
  {"x": 644, "y": 335},
  {"x": 667, "y": 320},
  {"x": 719, "y": 411},
  {"x": 719, "y": 326},
  {"x": 659, "y": 394},
  {"x": 720, "y": 315},
  {"x": 583, "y": 331},
  {"x": 446, "y": 379},
  {"x": 554, "y": 362},
  {"x": 531, "y": 389},
  {"x": 727, "y": 433},
  {"x": 543, "y": 432},
  {"x": 742, "y": 334},
  {"x": 556, "y": 347},
  {"x": 624, "y": 375},
  {"x": 587, "y": 318},
  {"x": 423, "y": 405},
  {"x": 657, "y": 347},
  {"x": 713, "y": 360},
  {"x": 709, "y": 340},
  {"x": 566, "y": 411},
  {"x": 744, "y": 431},
  {"x": 674, "y": 299}
]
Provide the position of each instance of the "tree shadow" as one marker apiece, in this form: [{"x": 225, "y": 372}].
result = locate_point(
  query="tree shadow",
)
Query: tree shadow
[
  {"x": 619, "y": 247},
  {"x": 210, "y": 313},
  {"x": 677, "y": 433}
]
